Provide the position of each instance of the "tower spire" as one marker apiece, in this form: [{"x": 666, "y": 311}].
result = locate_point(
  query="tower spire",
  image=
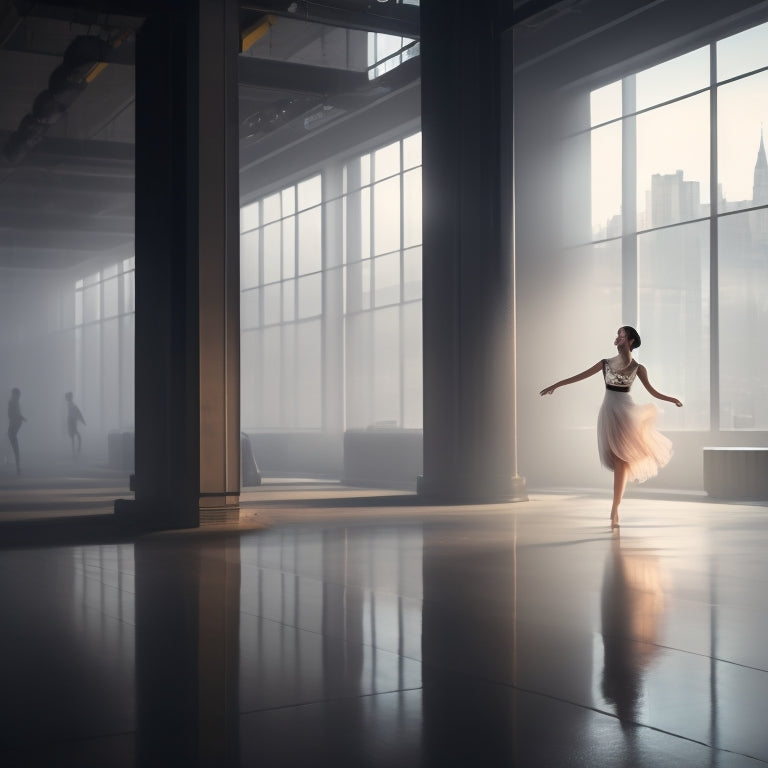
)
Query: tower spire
[{"x": 762, "y": 162}]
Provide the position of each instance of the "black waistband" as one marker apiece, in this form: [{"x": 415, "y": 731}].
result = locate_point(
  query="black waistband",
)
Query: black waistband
[{"x": 616, "y": 389}]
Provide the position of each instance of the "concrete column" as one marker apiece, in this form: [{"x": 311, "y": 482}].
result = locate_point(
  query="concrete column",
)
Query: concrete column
[
  {"x": 187, "y": 265},
  {"x": 468, "y": 274}
]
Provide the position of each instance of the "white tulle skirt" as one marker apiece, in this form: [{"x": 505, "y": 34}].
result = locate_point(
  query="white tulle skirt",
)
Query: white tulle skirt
[{"x": 627, "y": 431}]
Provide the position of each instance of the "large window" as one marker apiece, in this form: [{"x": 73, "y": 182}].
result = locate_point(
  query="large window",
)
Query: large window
[
  {"x": 679, "y": 183},
  {"x": 281, "y": 282},
  {"x": 331, "y": 297},
  {"x": 386, "y": 52},
  {"x": 382, "y": 302},
  {"x": 104, "y": 349}
]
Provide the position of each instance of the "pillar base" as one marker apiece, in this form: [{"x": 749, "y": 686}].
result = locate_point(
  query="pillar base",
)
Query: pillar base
[
  {"x": 139, "y": 517},
  {"x": 470, "y": 489},
  {"x": 221, "y": 512}
]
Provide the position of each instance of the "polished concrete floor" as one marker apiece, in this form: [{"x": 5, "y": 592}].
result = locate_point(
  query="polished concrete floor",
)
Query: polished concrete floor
[{"x": 341, "y": 628}]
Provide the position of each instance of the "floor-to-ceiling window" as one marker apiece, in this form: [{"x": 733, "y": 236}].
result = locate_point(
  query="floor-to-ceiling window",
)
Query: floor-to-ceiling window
[
  {"x": 103, "y": 376},
  {"x": 336, "y": 253},
  {"x": 679, "y": 210},
  {"x": 281, "y": 258},
  {"x": 382, "y": 267},
  {"x": 742, "y": 254}
]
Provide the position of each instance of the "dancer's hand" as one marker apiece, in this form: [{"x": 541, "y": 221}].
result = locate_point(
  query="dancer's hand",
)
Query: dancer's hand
[
  {"x": 547, "y": 391},
  {"x": 677, "y": 402}
]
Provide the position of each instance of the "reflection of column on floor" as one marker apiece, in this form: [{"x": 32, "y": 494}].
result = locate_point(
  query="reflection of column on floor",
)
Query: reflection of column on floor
[
  {"x": 469, "y": 651},
  {"x": 187, "y": 651}
]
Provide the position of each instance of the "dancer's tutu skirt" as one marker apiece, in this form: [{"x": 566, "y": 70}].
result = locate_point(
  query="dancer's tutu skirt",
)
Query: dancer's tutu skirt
[{"x": 627, "y": 431}]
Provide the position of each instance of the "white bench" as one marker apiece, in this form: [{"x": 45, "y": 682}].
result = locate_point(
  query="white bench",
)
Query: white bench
[{"x": 736, "y": 473}]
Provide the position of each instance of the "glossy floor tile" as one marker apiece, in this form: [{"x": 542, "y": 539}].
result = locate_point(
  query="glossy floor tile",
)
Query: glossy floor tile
[{"x": 360, "y": 629}]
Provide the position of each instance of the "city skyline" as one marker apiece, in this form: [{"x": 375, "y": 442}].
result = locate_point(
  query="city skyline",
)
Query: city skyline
[
  {"x": 610, "y": 226},
  {"x": 668, "y": 105}
]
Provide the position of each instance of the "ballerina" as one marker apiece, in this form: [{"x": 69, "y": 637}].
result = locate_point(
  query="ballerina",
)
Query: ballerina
[{"x": 627, "y": 439}]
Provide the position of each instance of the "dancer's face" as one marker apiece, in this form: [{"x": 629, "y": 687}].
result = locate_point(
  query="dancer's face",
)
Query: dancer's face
[{"x": 622, "y": 339}]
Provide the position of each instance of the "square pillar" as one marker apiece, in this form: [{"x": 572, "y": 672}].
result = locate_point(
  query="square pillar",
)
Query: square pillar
[
  {"x": 187, "y": 266},
  {"x": 468, "y": 266}
]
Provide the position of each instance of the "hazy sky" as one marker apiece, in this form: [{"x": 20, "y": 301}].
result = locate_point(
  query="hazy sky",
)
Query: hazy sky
[{"x": 677, "y": 137}]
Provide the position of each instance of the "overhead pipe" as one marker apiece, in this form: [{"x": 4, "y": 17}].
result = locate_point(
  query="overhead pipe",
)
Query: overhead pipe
[{"x": 85, "y": 58}]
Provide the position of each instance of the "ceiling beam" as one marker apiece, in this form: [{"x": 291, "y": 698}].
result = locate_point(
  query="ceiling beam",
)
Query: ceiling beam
[
  {"x": 62, "y": 240},
  {"x": 298, "y": 78},
  {"x": 387, "y": 17},
  {"x": 16, "y": 220},
  {"x": 78, "y": 150},
  {"x": 46, "y": 258},
  {"x": 38, "y": 185},
  {"x": 582, "y": 39}
]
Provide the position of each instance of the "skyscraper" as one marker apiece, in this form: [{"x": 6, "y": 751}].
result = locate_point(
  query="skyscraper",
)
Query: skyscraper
[
  {"x": 760, "y": 183},
  {"x": 759, "y": 219}
]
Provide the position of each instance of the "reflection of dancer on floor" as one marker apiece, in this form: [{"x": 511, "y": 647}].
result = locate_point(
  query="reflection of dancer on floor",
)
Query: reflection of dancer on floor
[
  {"x": 74, "y": 417},
  {"x": 627, "y": 439},
  {"x": 15, "y": 420},
  {"x": 632, "y": 605}
]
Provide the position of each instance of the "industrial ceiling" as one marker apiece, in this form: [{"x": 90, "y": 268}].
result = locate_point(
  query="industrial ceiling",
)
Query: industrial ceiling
[{"x": 67, "y": 175}]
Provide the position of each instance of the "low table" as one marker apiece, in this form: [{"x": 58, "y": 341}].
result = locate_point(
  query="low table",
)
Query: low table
[{"x": 736, "y": 473}]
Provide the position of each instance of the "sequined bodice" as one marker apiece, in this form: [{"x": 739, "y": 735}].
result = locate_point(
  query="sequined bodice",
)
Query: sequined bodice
[{"x": 619, "y": 379}]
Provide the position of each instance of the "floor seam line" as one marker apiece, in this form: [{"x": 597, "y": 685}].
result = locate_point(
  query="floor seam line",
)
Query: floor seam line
[{"x": 330, "y": 701}]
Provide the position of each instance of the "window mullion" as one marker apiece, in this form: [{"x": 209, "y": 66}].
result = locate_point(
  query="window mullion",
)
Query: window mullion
[
  {"x": 714, "y": 293},
  {"x": 401, "y": 310},
  {"x": 629, "y": 267}
]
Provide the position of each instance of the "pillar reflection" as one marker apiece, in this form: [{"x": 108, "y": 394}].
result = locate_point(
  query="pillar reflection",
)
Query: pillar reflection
[
  {"x": 470, "y": 652},
  {"x": 187, "y": 650},
  {"x": 632, "y": 605}
]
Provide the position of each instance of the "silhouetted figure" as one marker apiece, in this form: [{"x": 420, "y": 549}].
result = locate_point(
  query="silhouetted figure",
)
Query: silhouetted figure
[
  {"x": 627, "y": 439},
  {"x": 74, "y": 417},
  {"x": 15, "y": 420}
]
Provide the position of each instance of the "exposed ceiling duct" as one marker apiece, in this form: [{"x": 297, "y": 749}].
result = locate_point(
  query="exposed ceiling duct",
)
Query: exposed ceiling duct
[{"x": 84, "y": 59}]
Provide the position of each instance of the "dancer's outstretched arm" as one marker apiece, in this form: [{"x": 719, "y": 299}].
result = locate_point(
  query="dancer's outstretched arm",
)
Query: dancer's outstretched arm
[
  {"x": 578, "y": 377},
  {"x": 642, "y": 374}
]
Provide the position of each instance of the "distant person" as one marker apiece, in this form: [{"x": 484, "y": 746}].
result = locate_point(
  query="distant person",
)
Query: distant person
[
  {"x": 15, "y": 420},
  {"x": 627, "y": 439},
  {"x": 74, "y": 417}
]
